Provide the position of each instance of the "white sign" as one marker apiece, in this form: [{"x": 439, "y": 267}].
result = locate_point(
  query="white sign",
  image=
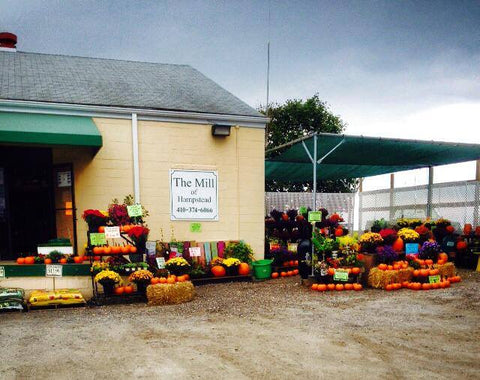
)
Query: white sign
[
  {"x": 112, "y": 232},
  {"x": 2, "y": 272},
  {"x": 160, "y": 262},
  {"x": 64, "y": 179},
  {"x": 52, "y": 270},
  {"x": 193, "y": 195},
  {"x": 195, "y": 251},
  {"x": 151, "y": 247}
]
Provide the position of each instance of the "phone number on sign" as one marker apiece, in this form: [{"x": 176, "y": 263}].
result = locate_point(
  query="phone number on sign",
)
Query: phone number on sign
[{"x": 194, "y": 209}]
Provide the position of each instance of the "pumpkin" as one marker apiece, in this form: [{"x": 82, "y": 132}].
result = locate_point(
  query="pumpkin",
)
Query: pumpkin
[
  {"x": 172, "y": 280},
  {"x": 398, "y": 245},
  {"x": 219, "y": 271},
  {"x": 331, "y": 271},
  {"x": 243, "y": 269},
  {"x": 97, "y": 250},
  {"x": 119, "y": 290},
  {"x": 290, "y": 273},
  {"x": 125, "y": 249},
  {"x": 154, "y": 281},
  {"x": 181, "y": 278},
  {"x": 450, "y": 229},
  {"x": 295, "y": 271},
  {"x": 162, "y": 280},
  {"x": 348, "y": 286},
  {"x": 426, "y": 286},
  {"x": 355, "y": 270},
  {"x": 322, "y": 287},
  {"x": 428, "y": 261},
  {"x": 357, "y": 287},
  {"x": 29, "y": 260},
  {"x": 63, "y": 261},
  {"x": 383, "y": 267},
  {"x": 47, "y": 261},
  {"x": 315, "y": 287},
  {"x": 467, "y": 229},
  {"x": 133, "y": 249},
  {"x": 443, "y": 256},
  {"x": 283, "y": 274},
  {"x": 107, "y": 250},
  {"x": 389, "y": 287},
  {"x": 339, "y": 287},
  {"x": 275, "y": 275},
  {"x": 128, "y": 289},
  {"x": 77, "y": 260},
  {"x": 21, "y": 260},
  {"x": 461, "y": 245},
  {"x": 116, "y": 249},
  {"x": 101, "y": 229},
  {"x": 331, "y": 286}
]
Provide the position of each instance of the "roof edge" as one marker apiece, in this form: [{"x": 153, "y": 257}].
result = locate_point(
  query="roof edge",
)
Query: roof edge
[{"x": 8, "y": 105}]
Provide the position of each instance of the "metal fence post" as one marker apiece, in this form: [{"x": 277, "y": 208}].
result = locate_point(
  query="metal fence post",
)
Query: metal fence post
[{"x": 430, "y": 192}]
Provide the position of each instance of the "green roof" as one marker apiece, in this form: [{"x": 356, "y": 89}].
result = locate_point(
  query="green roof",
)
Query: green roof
[
  {"x": 28, "y": 128},
  {"x": 358, "y": 156}
]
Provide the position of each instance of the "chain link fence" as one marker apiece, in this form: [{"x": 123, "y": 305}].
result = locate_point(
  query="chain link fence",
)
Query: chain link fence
[
  {"x": 343, "y": 203},
  {"x": 456, "y": 201}
]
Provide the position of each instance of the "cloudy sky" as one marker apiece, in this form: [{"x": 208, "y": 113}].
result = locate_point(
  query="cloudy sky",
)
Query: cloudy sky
[{"x": 390, "y": 68}]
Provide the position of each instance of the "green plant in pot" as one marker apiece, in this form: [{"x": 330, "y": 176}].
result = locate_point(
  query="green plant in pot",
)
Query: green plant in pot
[{"x": 240, "y": 251}]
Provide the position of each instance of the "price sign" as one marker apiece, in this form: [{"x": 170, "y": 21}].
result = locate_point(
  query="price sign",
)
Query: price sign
[
  {"x": 2, "y": 272},
  {"x": 151, "y": 247},
  {"x": 195, "y": 251},
  {"x": 411, "y": 248},
  {"x": 112, "y": 232},
  {"x": 52, "y": 270},
  {"x": 134, "y": 210},
  {"x": 195, "y": 227},
  {"x": 98, "y": 238},
  {"x": 434, "y": 279},
  {"x": 315, "y": 216},
  {"x": 292, "y": 247},
  {"x": 160, "y": 262},
  {"x": 274, "y": 246},
  {"x": 340, "y": 275}
]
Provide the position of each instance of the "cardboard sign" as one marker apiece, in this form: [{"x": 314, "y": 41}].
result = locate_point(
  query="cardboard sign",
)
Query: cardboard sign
[
  {"x": 195, "y": 251},
  {"x": 134, "y": 210},
  {"x": 340, "y": 275},
  {"x": 292, "y": 247},
  {"x": 411, "y": 248},
  {"x": 53, "y": 270},
  {"x": 315, "y": 216},
  {"x": 160, "y": 262},
  {"x": 434, "y": 279},
  {"x": 195, "y": 227},
  {"x": 2, "y": 272},
  {"x": 97, "y": 238},
  {"x": 112, "y": 232},
  {"x": 151, "y": 247}
]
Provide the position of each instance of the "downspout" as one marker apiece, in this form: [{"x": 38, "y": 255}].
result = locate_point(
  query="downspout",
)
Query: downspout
[{"x": 136, "y": 165}]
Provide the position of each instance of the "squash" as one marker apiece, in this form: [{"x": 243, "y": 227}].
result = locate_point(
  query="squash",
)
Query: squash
[
  {"x": 243, "y": 269},
  {"x": 398, "y": 245},
  {"x": 218, "y": 271}
]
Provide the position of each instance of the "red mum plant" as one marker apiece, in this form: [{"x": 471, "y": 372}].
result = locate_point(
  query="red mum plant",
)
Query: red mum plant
[
  {"x": 94, "y": 218},
  {"x": 118, "y": 214},
  {"x": 335, "y": 218},
  {"x": 139, "y": 235},
  {"x": 388, "y": 235}
]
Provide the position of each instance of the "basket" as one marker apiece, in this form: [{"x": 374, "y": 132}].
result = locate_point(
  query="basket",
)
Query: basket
[{"x": 262, "y": 269}]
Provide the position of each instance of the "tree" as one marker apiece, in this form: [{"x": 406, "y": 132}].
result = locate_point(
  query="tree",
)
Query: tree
[{"x": 295, "y": 119}]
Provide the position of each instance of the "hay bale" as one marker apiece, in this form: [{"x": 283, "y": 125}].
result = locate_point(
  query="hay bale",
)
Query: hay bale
[
  {"x": 446, "y": 270},
  {"x": 380, "y": 278},
  {"x": 170, "y": 294}
]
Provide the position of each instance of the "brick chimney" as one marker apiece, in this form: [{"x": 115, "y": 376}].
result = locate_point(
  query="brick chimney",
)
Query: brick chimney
[{"x": 8, "y": 41}]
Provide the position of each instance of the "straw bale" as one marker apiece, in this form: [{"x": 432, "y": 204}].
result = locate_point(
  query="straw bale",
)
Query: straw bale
[
  {"x": 169, "y": 294},
  {"x": 446, "y": 270},
  {"x": 380, "y": 278}
]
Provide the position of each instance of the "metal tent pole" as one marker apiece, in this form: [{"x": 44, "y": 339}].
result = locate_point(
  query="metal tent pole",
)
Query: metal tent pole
[{"x": 314, "y": 206}]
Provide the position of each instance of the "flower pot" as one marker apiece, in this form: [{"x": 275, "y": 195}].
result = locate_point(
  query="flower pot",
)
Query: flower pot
[
  {"x": 108, "y": 288},
  {"x": 232, "y": 271}
]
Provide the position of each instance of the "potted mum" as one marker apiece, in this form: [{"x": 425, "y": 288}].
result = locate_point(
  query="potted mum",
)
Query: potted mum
[
  {"x": 231, "y": 266},
  {"x": 108, "y": 279},
  {"x": 139, "y": 236},
  {"x": 141, "y": 278},
  {"x": 408, "y": 235},
  {"x": 369, "y": 241},
  {"x": 429, "y": 250},
  {"x": 94, "y": 219},
  {"x": 177, "y": 266}
]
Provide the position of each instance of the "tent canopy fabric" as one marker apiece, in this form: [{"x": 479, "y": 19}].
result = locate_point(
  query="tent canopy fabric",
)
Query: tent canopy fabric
[
  {"x": 343, "y": 156},
  {"x": 27, "y": 128}
]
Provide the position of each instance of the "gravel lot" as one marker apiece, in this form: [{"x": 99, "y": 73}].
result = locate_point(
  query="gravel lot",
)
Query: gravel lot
[{"x": 276, "y": 329}]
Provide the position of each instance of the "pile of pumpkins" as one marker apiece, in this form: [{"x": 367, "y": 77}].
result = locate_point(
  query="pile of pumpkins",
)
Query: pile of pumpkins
[
  {"x": 30, "y": 260},
  {"x": 171, "y": 279},
  {"x": 220, "y": 271},
  {"x": 114, "y": 249},
  {"x": 336, "y": 287},
  {"x": 285, "y": 273}
]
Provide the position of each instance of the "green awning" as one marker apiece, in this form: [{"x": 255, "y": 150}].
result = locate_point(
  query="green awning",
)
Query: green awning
[
  {"x": 343, "y": 156},
  {"x": 29, "y": 128}
]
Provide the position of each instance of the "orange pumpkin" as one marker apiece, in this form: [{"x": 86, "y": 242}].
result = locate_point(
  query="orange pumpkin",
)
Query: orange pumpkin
[
  {"x": 63, "y": 261},
  {"x": 443, "y": 256},
  {"x": 322, "y": 287},
  {"x": 243, "y": 269},
  {"x": 283, "y": 274},
  {"x": 219, "y": 271},
  {"x": 383, "y": 267},
  {"x": 461, "y": 245},
  {"x": 339, "y": 232},
  {"x": 128, "y": 289},
  {"x": 339, "y": 287},
  {"x": 355, "y": 270},
  {"x": 101, "y": 229},
  {"x": 47, "y": 261},
  {"x": 398, "y": 245},
  {"x": 162, "y": 280},
  {"x": 116, "y": 249},
  {"x": 154, "y": 281},
  {"x": 315, "y": 287},
  {"x": 348, "y": 286},
  {"x": 171, "y": 280},
  {"x": 450, "y": 229},
  {"x": 331, "y": 286},
  {"x": 107, "y": 250},
  {"x": 181, "y": 278},
  {"x": 77, "y": 260},
  {"x": 295, "y": 271},
  {"x": 357, "y": 287},
  {"x": 133, "y": 249},
  {"x": 275, "y": 275},
  {"x": 125, "y": 249},
  {"x": 331, "y": 271},
  {"x": 97, "y": 250},
  {"x": 29, "y": 260},
  {"x": 426, "y": 286},
  {"x": 290, "y": 273},
  {"x": 119, "y": 290},
  {"x": 21, "y": 260},
  {"x": 389, "y": 287}
]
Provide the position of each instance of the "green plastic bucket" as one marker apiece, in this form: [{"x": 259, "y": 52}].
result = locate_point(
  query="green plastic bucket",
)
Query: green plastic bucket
[{"x": 262, "y": 269}]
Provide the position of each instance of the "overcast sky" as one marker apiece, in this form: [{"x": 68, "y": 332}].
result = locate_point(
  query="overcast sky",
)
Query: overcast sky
[{"x": 391, "y": 68}]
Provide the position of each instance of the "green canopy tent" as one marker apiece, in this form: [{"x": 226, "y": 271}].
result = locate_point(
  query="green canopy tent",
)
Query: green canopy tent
[{"x": 332, "y": 156}]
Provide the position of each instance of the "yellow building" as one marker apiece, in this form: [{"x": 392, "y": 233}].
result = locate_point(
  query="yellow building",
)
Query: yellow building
[{"x": 77, "y": 132}]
